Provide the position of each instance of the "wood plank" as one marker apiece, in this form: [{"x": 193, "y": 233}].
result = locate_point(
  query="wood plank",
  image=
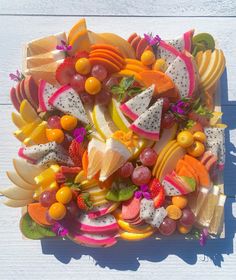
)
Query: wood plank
[
  {"x": 15, "y": 31},
  {"x": 137, "y": 8}
]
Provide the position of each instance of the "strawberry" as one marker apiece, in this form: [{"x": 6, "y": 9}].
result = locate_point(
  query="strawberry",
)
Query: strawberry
[
  {"x": 157, "y": 192},
  {"x": 66, "y": 71},
  {"x": 83, "y": 201},
  {"x": 70, "y": 170},
  {"x": 60, "y": 177},
  {"x": 76, "y": 151}
]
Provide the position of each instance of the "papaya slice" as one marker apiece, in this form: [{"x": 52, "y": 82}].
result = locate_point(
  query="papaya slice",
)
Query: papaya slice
[
  {"x": 80, "y": 42},
  {"x": 78, "y": 27},
  {"x": 181, "y": 163},
  {"x": 135, "y": 62},
  {"x": 111, "y": 53},
  {"x": 135, "y": 68},
  {"x": 107, "y": 47},
  {"x": 110, "y": 66},
  {"x": 161, "y": 81},
  {"x": 183, "y": 171},
  {"x": 126, "y": 72},
  {"x": 200, "y": 169},
  {"x": 106, "y": 56},
  {"x": 38, "y": 213}
]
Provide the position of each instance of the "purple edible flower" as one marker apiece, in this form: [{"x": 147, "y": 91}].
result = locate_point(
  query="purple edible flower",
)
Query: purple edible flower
[
  {"x": 63, "y": 47},
  {"x": 16, "y": 77},
  {"x": 79, "y": 134},
  {"x": 59, "y": 230},
  {"x": 181, "y": 107},
  {"x": 152, "y": 41},
  {"x": 203, "y": 237},
  {"x": 143, "y": 192}
]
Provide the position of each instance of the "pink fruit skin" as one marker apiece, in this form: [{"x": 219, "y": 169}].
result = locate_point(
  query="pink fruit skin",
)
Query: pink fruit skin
[
  {"x": 149, "y": 135},
  {"x": 94, "y": 229},
  {"x": 42, "y": 105},
  {"x": 188, "y": 40},
  {"x": 130, "y": 209},
  {"x": 53, "y": 98},
  {"x": 31, "y": 91},
  {"x": 18, "y": 93},
  {"x": 169, "y": 179},
  {"x": 90, "y": 242},
  {"x": 126, "y": 110},
  {"x": 169, "y": 48},
  {"x": 96, "y": 214},
  {"x": 22, "y": 89},
  {"x": 14, "y": 99},
  {"x": 21, "y": 154}
]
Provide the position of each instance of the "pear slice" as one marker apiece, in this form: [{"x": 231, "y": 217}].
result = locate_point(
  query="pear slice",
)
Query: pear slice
[
  {"x": 27, "y": 171},
  {"x": 18, "y": 181},
  {"x": 14, "y": 192},
  {"x": 17, "y": 203},
  {"x": 27, "y": 112},
  {"x": 45, "y": 58},
  {"x": 211, "y": 66}
]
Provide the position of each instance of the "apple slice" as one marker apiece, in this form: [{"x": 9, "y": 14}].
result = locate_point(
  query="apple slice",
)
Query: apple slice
[
  {"x": 18, "y": 181},
  {"x": 17, "y": 203},
  {"x": 27, "y": 171},
  {"x": 31, "y": 91},
  {"x": 14, "y": 192},
  {"x": 14, "y": 100},
  {"x": 17, "y": 120},
  {"x": 19, "y": 97}
]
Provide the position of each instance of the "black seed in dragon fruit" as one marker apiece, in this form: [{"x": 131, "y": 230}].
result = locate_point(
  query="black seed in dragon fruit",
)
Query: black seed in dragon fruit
[
  {"x": 55, "y": 157},
  {"x": 159, "y": 216},
  {"x": 45, "y": 91},
  {"x": 147, "y": 209},
  {"x": 167, "y": 52}
]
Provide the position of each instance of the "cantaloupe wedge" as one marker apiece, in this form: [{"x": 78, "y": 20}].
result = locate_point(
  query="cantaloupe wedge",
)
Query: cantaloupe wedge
[
  {"x": 80, "y": 42},
  {"x": 182, "y": 163},
  {"x": 38, "y": 213},
  {"x": 200, "y": 169},
  {"x": 183, "y": 171},
  {"x": 77, "y": 28},
  {"x": 161, "y": 81}
]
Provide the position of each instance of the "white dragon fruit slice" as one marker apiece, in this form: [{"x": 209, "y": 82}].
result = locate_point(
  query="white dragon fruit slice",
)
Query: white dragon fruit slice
[
  {"x": 137, "y": 105},
  {"x": 35, "y": 152},
  {"x": 55, "y": 157},
  {"x": 99, "y": 211},
  {"x": 45, "y": 91},
  {"x": 68, "y": 101},
  {"x": 216, "y": 143},
  {"x": 104, "y": 224},
  {"x": 184, "y": 42},
  {"x": 147, "y": 209},
  {"x": 148, "y": 124},
  {"x": 93, "y": 240},
  {"x": 159, "y": 216},
  {"x": 167, "y": 52},
  {"x": 182, "y": 72}
]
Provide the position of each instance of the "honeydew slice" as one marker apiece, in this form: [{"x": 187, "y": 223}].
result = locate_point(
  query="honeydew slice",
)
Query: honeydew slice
[{"x": 211, "y": 66}]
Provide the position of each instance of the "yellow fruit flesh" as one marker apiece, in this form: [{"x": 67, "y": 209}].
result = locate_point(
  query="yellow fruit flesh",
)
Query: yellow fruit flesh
[
  {"x": 78, "y": 27},
  {"x": 135, "y": 236}
]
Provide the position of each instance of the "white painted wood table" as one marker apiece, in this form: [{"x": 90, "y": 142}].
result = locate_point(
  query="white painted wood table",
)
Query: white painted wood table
[{"x": 21, "y": 21}]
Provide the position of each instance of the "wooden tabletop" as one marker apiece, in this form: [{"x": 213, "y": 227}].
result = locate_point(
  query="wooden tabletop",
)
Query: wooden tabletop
[{"x": 21, "y": 21}]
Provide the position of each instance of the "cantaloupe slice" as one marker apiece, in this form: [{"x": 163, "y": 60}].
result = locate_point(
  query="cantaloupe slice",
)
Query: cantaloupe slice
[
  {"x": 200, "y": 169},
  {"x": 77, "y": 28},
  {"x": 38, "y": 213},
  {"x": 181, "y": 163},
  {"x": 161, "y": 81},
  {"x": 110, "y": 66},
  {"x": 170, "y": 163},
  {"x": 80, "y": 42},
  {"x": 183, "y": 171},
  {"x": 107, "y": 57}
]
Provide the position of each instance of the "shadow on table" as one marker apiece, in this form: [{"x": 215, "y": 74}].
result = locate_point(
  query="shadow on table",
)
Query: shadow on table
[{"x": 126, "y": 255}]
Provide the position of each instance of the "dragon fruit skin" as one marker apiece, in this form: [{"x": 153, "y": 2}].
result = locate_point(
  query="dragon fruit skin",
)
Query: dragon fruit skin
[
  {"x": 93, "y": 240},
  {"x": 65, "y": 99},
  {"x": 182, "y": 72},
  {"x": 147, "y": 209},
  {"x": 159, "y": 216},
  {"x": 35, "y": 152},
  {"x": 137, "y": 105},
  {"x": 148, "y": 124},
  {"x": 216, "y": 143},
  {"x": 104, "y": 224},
  {"x": 184, "y": 42},
  {"x": 171, "y": 187},
  {"x": 55, "y": 157},
  {"x": 167, "y": 52},
  {"x": 45, "y": 91},
  {"x": 99, "y": 211}
]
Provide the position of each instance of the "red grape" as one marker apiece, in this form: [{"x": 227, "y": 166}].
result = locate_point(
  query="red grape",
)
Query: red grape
[
  {"x": 47, "y": 198},
  {"x": 99, "y": 72},
  {"x": 148, "y": 157},
  {"x": 78, "y": 82},
  {"x": 54, "y": 122},
  {"x": 166, "y": 104},
  {"x": 103, "y": 98},
  {"x": 112, "y": 81},
  {"x": 188, "y": 218},
  {"x": 126, "y": 170},
  {"x": 87, "y": 98},
  {"x": 168, "y": 120},
  {"x": 167, "y": 227},
  {"x": 72, "y": 208},
  {"x": 141, "y": 175}
]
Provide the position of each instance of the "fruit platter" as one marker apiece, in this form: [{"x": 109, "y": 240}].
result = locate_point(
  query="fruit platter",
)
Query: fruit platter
[{"x": 120, "y": 138}]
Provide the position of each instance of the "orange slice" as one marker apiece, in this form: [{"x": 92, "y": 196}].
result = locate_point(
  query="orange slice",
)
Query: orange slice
[
  {"x": 110, "y": 66},
  {"x": 161, "y": 81},
  {"x": 106, "y": 56},
  {"x": 106, "y": 47}
]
